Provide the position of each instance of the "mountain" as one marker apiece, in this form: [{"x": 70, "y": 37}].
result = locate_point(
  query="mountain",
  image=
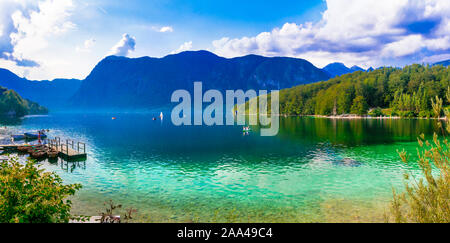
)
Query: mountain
[
  {"x": 120, "y": 82},
  {"x": 356, "y": 68},
  {"x": 13, "y": 105},
  {"x": 52, "y": 94},
  {"x": 443, "y": 63},
  {"x": 338, "y": 69}
]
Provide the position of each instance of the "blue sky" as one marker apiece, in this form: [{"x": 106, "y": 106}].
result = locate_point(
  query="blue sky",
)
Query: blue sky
[{"x": 46, "y": 39}]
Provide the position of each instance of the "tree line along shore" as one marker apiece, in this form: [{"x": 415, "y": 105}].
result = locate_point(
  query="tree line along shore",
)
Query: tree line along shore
[{"x": 407, "y": 92}]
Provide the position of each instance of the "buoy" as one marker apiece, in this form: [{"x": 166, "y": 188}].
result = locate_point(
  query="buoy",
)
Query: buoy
[{"x": 114, "y": 118}]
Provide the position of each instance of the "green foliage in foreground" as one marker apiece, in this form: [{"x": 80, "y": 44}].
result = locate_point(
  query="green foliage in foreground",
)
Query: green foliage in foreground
[
  {"x": 30, "y": 195},
  {"x": 11, "y": 104},
  {"x": 427, "y": 200},
  {"x": 408, "y": 92}
]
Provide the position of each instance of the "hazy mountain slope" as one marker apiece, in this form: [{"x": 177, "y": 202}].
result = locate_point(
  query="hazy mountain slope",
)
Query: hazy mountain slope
[
  {"x": 338, "y": 69},
  {"x": 48, "y": 93},
  {"x": 146, "y": 82},
  {"x": 443, "y": 63}
]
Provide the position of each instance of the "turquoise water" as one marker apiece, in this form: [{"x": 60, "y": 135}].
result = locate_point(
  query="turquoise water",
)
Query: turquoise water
[{"x": 318, "y": 170}]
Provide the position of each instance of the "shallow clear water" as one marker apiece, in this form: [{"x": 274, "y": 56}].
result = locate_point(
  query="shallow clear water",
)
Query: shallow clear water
[{"x": 314, "y": 170}]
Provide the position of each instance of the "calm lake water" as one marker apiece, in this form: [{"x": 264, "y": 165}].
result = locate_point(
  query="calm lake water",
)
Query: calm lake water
[{"x": 318, "y": 170}]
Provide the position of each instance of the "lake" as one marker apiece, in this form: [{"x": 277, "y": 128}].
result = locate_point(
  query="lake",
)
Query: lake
[{"x": 314, "y": 170}]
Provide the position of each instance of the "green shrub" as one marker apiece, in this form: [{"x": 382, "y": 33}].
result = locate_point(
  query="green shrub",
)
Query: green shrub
[
  {"x": 425, "y": 114},
  {"x": 30, "y": 195},
  {"x": 376, "y": 112},
  {"x": 426, "y": 200}
]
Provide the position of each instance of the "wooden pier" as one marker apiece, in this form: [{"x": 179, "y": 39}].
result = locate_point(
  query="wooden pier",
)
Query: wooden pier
[{"x": 70, "y": 150}]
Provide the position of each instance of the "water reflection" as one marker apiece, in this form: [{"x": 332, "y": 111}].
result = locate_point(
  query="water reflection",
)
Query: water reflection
[{"x": 170, "y": 172}]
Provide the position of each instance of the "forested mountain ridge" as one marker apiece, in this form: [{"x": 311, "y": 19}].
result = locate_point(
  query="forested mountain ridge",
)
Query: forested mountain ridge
[
  {"x": 13, "y": 105},
  {"x": 405, "y": 91}
]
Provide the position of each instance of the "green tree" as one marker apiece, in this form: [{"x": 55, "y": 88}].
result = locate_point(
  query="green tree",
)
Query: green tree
[
  {"x": 359, "y": 106},
  {"x": 30, "y": 195}
]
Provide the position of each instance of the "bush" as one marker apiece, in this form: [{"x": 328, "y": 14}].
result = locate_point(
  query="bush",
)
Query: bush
[
  {"x": 30, "y": 195},
  {"x": 376, "y": 112},
  {"x": 425, "y": 114},
  {"x": 426, "y": 200}
]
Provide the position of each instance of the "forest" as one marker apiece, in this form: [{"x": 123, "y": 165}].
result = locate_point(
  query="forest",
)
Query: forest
[
  {"x": 13, "y": 105},
  {"x": 387, "y": 91}
]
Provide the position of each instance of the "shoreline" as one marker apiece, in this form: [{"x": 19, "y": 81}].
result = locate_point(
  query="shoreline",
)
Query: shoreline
[
  {"x": 376, "y": 118},
  {"x": 350, "y": 117}
]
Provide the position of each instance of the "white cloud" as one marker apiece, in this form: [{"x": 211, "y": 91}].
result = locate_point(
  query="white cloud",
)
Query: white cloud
[
  {"x": 28, "y": 25},
  {"x": 186, "y": 46},
  {"x": 87, "y": 45},
  {"x": 126, "y": 45},
  {"x": 405, "y": 46},
  {"x": 166, "y": 29},
  {"x": 355, "y": 32}
]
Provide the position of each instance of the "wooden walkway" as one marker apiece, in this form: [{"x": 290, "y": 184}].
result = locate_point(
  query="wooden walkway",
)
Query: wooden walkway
[{"x": 68, "y": 150}]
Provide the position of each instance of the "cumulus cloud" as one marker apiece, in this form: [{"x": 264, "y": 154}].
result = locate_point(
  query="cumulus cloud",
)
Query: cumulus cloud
[
  {"x": 186, "y": 46},
  {"x": 365, "y": 33},
  {"x": 126, "y": 45},
  {"x": 27, "y": 25}
]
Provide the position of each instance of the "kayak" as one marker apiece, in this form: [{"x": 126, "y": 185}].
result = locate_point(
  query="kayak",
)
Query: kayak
[
  {"x": 34, "y": 135},
  {"x": 18, "y": 137}
]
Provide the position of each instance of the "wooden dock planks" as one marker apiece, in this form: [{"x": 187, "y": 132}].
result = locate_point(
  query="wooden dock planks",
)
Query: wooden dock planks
[{"x": 69, "y": 150}]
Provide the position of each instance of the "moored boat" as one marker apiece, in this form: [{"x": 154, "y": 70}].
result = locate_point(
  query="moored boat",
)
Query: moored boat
[
  {"x": 38, "y": 155},
  {"x": 34, "y": 135},
  {"x": 18, "y": 137},
  {"x": 23, "y": 148}
]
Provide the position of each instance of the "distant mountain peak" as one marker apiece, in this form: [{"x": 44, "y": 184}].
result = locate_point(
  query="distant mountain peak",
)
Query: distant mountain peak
[
  {"x": 444, "y": 63},
  {"x": 338, "y": 69},
  {"x": 357, "y": 68}
]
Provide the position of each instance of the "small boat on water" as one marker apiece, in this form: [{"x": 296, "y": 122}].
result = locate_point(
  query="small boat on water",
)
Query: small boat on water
[
  {"x": 38, "y": 155},
  {"x": 18, "y": 137},
  {"x": 23, "y": 148},
  {"x": 246, "y": 129},
  {"x": 34, "y": 135}
]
